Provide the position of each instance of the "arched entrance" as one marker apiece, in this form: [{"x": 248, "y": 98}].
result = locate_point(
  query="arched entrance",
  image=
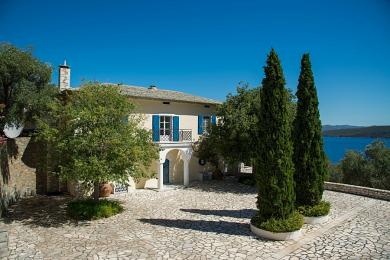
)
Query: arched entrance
[{"x": 174, "y": 162}]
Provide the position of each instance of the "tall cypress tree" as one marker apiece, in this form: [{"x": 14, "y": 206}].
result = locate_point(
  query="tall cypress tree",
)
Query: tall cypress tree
[
  {"x": 274, "y": 164},
  {"x": 309, "y": 156}
]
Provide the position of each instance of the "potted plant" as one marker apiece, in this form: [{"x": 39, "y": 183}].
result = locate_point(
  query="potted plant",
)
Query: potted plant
[{"x": 105, "y": 189}]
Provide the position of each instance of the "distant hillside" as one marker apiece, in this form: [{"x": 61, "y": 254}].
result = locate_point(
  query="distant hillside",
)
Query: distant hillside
[
  {"x": 337, "y": 127},
  {"x": 370, "y": 131}
]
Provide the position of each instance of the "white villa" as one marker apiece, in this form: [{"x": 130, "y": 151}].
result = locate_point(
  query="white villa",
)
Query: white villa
[{"x": 176, "y": 121}]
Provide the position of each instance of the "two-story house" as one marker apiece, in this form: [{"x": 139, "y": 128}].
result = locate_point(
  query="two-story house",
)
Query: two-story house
[{"x": 176, "y": 121}]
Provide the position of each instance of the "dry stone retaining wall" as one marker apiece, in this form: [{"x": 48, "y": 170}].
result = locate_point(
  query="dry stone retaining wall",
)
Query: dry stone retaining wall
[
  {"x": 18, "y": 177},
  {"x": 358, "y": 190}
]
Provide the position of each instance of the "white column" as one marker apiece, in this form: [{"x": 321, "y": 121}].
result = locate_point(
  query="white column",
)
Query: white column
[
  {"x": 161, "y": 177},
  {"x": 162, "y": 156},
  {"x": 186, "y": 172},
  {"x": 186, "y": 159}
]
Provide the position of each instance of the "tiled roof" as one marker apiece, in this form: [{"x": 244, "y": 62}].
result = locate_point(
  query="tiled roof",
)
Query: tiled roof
[{"x": 162, "y": 94}]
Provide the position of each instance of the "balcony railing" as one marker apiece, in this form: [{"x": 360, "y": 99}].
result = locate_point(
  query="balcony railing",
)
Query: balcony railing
[{"x": 185, "y": 135}]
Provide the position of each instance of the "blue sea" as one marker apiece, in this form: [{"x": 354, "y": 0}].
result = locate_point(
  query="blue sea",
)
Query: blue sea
[{"x": 335, "y": 147}]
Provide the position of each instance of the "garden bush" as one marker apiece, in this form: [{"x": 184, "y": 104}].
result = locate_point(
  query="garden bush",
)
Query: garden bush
[
  {"x": 321, "y": 209},
  {"x": 247, "y": 180},
  {"x": 91, "y": 210},
  {"x": 290, "y": 224}
]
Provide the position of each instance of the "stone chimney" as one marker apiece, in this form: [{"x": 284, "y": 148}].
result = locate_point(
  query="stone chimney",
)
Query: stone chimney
[{"x": 64, "y": 76}]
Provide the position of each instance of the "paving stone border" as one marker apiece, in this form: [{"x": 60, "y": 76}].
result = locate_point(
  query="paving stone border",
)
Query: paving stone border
[
  {"x": 358, "y": 190},
  {"x": 3, "y": 243},
  {"x": 208, "y": 220}
]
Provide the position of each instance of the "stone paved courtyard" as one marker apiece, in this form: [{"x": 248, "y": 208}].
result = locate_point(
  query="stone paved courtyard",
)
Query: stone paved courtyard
[{"x": 206, "y": 221}]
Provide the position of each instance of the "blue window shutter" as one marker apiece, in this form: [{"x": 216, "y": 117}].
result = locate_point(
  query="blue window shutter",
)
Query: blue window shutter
[
  {"x": 213, "y": 120},
  {"x": 125, "y": 120},
  {"x": 175, "y": 128},
  {"x": 156, "y": 128},
  {"x": 200, "y": 124}
]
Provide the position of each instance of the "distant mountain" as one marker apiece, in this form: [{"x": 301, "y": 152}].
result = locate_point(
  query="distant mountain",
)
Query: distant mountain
[
  {"x": 370, "y": 131},
  {"x": 337, "y": 127}
]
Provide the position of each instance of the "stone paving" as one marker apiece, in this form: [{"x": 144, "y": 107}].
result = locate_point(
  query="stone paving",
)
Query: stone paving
[{"x": 206, "y": 221}]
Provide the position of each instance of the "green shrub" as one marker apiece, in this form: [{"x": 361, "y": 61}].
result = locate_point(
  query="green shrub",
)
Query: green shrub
[
  {"x": 292, "y": 223},
  {"x": 321, "y": 209},
  {"x": 90, "y": 209},
  {"x": 369, "y": 169},
  {"x": 247, "y": 180}
]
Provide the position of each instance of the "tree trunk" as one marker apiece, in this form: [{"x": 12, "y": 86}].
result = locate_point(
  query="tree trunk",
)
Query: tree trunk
[{"x": 96, "y": 191}]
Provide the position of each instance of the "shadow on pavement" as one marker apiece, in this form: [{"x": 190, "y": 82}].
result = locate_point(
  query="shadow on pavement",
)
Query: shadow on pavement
[
  {"x": 241, "y": 213},
  {"x": 219, "y": 227},
  {"x": 43, "y": 211}
]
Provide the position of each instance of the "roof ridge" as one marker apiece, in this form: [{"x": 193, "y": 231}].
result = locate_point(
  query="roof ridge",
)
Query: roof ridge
[{"x": 145, "y": 92}]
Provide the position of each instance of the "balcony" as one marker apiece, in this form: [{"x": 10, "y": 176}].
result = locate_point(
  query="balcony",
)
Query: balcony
[{"x": 164, "y": 135}]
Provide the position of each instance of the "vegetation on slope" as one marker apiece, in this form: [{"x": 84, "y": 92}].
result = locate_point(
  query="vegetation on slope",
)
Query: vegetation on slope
[
  {"x": 371, "y": 131},
  {"x": 370, "y": 169}
]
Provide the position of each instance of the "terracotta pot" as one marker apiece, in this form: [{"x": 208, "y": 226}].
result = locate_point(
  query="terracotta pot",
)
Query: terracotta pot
[{"x": 105, "y": 190}]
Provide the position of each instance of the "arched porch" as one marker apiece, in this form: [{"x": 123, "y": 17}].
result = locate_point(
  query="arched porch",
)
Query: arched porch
[{"x": 185, "y": 153}]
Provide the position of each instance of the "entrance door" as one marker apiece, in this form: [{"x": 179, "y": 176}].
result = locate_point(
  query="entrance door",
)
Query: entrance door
[{"x": 166, "y": 172}]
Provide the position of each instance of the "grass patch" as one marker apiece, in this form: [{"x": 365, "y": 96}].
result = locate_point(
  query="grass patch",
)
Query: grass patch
[
  {"x": 91, "y": 210},
  {"x": 321, "y": 209},
  {"x": 293, "y": 223}
]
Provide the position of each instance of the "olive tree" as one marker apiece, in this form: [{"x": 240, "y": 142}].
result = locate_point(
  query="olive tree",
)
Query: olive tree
[
  {"x": 97, "y": 137},
  {"x": 24, "y": 85}
]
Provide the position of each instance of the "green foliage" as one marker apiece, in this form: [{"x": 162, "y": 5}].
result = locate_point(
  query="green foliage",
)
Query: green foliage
[
  {"x": 24, "y": 85},
  {"x": 233, "y": 138},
  {"x": 371, "y": 169},
  {"x": 91, "y": 210},
  {"x": 87, "y": 134},
  {"x": 278, "y": 225},
  {"x": 275, "y": 170},
  {"x": 238, "y": 124},
  {"x": 334, "y": 173},
  {"x": 320, "y": 209},
  {"x": 208, "y": 146},
  {"x": 309, "y": 156},
  {"x": 247, "y": 180}
]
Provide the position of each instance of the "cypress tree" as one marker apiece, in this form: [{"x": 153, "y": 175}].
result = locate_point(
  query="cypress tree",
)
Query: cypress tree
[
  {"x": 275, "y": 170},
  {"x": 309, "y": 156}
]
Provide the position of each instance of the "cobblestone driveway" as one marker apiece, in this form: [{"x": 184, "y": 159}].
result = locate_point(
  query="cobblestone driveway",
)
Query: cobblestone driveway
[{"x": 206, "y": 221}]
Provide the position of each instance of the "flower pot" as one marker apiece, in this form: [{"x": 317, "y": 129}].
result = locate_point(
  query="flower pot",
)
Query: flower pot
[
  {"x": 105, "y": 190},
  {"x": 316, "y": 220},
  {"x": 294, "y": 235}
]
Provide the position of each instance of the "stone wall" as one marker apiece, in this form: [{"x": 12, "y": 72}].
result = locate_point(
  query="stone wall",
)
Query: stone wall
[
  {"x": 3, "y": 244},
  {"x": 358, "y": 190},
  {"x": 18, "y": 164}
]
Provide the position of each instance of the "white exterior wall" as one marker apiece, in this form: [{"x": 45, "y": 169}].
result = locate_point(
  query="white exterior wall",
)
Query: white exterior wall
[
  {"x": 187, "y": 112},
  {"x": 188, "y": 119}
]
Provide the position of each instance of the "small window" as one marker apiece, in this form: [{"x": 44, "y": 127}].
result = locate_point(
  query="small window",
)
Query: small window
[
  {"x": 206, "y": 106},
  {"x": 166, "y": 103},
  {"x": 206, "y": 124},
  {"x": 165, "y": 125}
]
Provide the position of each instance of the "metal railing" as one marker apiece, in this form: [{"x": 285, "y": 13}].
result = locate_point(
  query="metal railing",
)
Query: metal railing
[{"x": 185, "y": 135}]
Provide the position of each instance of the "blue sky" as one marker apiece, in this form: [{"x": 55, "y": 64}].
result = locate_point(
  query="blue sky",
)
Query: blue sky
[{"x": 207, "y": 47}]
